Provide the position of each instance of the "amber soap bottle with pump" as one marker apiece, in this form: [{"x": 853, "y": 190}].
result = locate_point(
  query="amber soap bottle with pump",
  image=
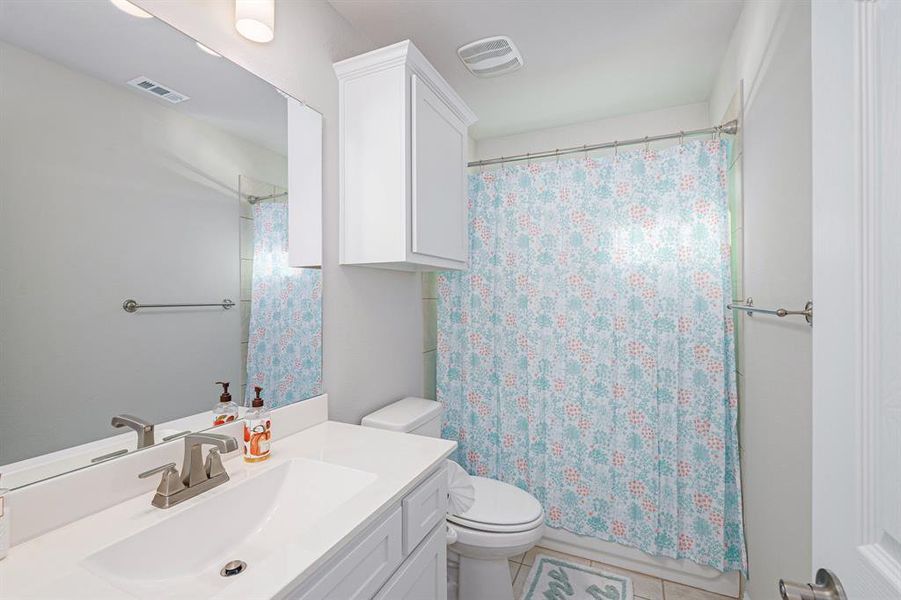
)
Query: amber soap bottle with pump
[{"x": 257, "y": 430}]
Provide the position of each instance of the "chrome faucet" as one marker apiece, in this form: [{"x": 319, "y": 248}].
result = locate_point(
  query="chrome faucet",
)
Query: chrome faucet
[
  {"x": 197, "y": 475},
  {"x": 141, "y": 427}
]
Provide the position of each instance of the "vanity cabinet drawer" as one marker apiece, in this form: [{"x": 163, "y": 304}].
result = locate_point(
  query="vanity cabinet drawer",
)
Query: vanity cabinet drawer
[
  {"x": 424, "y": 507},
  {"x": 423, "y": 576},
  {"x": 360, "y": 573}
]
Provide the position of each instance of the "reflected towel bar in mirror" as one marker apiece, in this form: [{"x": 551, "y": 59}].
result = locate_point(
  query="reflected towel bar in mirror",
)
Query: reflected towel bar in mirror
[
  {"x": 131, "y": 305},
  {"x": 747, "y": 305}
]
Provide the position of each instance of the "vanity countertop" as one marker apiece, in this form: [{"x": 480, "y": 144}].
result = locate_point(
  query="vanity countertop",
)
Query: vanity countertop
[{"x": 57, "y": 564}]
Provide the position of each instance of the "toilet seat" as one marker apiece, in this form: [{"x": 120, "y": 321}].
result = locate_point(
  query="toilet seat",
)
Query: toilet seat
[{"x": 500, "y": 508}]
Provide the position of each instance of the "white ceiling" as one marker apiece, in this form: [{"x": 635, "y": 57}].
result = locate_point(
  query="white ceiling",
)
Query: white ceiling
[
  {"x": 101, "y": 41},
  {"x": 584, "y": 59}
]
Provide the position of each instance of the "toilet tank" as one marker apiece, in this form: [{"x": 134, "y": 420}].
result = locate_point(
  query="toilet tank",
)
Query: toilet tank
[{"x": 410, "y": 415}]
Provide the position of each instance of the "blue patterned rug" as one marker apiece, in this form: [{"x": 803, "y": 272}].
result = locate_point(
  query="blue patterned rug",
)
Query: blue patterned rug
[{"x": 558, "y": 579}]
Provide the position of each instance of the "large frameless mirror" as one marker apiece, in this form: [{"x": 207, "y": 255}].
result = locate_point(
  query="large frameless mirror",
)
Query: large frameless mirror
[{"x": 143, "y": 233}]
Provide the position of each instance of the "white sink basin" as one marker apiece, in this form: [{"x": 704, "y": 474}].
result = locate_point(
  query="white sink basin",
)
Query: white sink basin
[{"x": 248, "y": 520}]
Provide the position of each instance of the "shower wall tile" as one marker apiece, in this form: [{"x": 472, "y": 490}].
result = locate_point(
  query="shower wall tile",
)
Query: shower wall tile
[
  {"x": 246, "y": 279},
  {"x": 429, "y": 285},
  {"x": 430, "y": 324},
  {"x": 245, "y": 321},
  {"x": 428, "y": 375},
  {"x": 243, "y": 376},
  {"x": 246, "y": 238},
  {"x": 429, "y": 333},
  {"x": 245, "y": 208}
]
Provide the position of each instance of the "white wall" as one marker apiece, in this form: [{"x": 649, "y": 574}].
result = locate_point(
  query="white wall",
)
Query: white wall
[
  {"x": 749, "y": 54},
  {"x": 372, "y": 319},
  {"x": 771, "y": 52},
  {"x": 108, "y": 195},
  {"x": 677, "y": 118}
]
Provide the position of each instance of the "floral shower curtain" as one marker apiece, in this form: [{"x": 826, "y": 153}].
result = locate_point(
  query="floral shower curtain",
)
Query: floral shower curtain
[
  {"x": 587, "y": 355},
  {"x": 283, "y": 350}
]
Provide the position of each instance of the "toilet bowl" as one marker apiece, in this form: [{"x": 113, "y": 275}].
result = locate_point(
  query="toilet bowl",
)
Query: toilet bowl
[{"x": 502, "y": 522}]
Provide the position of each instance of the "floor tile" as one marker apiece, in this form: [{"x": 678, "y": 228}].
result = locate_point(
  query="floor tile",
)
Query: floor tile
[
  {"x": 514, "y": 570},
  {"x": 677, "y": 591},
  {"x": 520, "y": 582},
  {"x": 529, "y": 558},
  {"x": 519, "y": 558},
  {"x": 643, "y": 586}
]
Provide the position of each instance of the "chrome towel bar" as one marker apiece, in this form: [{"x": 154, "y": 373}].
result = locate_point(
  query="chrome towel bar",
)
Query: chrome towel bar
[
  {"x": 747, "y": 305},
  {"x": 131, "y": 305}
]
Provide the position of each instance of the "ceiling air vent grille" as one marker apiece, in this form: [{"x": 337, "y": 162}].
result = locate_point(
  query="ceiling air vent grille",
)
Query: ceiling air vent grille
[
  {"x": 153, "y": 88},
  {"x": 491, "y": 57}
]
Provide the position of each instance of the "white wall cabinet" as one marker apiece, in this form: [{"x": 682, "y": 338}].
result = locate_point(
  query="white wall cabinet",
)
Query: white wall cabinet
[
  {"x": 402, "y": 161},
  {"x": 401, "y": 556}
]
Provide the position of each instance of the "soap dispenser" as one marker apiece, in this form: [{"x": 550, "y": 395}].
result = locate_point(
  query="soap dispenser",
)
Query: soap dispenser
[
  {"x": 225, "y": 410},
  {"x": 257, "y": 430}
]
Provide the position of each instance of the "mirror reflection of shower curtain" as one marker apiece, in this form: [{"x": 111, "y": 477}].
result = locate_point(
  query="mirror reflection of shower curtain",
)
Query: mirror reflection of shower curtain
[
  {"x": 283, "y": 351},
  {"x": 587, "y": 355}
]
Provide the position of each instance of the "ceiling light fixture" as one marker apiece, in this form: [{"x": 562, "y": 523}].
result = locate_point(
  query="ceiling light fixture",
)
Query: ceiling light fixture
[
  {"x": 255, "y": 19},
  {"x": 207, "y": 50},
  {"x": 129, "y": 8}
]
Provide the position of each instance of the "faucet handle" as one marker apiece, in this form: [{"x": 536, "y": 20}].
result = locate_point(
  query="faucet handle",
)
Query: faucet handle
[
  {"x": 213, "y": 466},
  {"x": 170, "y": 483}
]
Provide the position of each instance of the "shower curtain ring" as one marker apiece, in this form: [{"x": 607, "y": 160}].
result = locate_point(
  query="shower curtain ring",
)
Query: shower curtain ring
[
  {"x": 557, "y": 155},
  {"x": 647, "y": 144},
  {"x": 528, "y": 159},
  {"x": 681, "y": 138},
  {"x": 615, "y": 148}
]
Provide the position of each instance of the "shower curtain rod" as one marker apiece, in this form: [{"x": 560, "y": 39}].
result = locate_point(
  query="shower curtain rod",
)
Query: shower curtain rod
[
  {"x": 729, "y": 128},
  {"x": 255, "y": 199}
]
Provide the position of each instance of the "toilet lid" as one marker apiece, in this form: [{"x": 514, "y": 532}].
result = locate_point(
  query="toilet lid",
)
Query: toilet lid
[{"x": 499, "y": 504}]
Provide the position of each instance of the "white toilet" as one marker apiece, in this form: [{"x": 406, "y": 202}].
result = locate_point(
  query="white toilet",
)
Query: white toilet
[{"x": 504, "y": 521}]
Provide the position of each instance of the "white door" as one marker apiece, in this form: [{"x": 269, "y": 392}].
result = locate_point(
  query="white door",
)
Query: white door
[{"x": 856, "y": 55}]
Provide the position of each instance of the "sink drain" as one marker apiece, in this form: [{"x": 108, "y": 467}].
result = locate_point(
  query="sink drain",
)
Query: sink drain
[{"x": 232, "y": 568}]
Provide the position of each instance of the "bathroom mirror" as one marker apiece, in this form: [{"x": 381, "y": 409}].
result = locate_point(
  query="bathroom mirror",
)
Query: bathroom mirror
[{"x": 137, "y": 169}]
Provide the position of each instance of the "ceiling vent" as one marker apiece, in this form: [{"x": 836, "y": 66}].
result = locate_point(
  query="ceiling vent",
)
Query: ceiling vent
[
  {"x": 155, "y": 89},
  {"x": 491, "y": 57}
]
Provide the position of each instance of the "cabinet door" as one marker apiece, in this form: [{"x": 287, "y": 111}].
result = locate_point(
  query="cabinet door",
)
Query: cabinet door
[
  {"x": 424, "y": 507},
  {"x": 423, "y": 576},
  {"x": 439, "y": 177}
]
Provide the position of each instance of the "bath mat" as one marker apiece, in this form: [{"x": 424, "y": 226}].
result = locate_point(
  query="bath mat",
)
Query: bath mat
[{"x": 557, "y": 579}]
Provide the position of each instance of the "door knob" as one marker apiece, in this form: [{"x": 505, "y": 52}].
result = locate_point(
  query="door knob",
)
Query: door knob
[{"x": 827, "y": 587}]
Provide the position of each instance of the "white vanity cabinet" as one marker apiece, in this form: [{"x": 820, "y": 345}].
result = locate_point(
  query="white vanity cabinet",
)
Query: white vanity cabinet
[
  {"x": 402, "y": 162},
  {"x": 402, "y": 556}
]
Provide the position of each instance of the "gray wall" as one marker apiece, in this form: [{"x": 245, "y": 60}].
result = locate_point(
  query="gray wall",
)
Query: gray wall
[
  {"x": 372, "y": 319},
  {"x": 108, "y": 195}
]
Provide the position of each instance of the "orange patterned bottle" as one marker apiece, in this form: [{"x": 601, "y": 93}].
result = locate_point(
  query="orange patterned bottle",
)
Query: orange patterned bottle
[{"x": 257, "y": 430}]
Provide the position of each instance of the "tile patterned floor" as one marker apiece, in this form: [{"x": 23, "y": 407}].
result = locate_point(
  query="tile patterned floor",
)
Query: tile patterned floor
[{"x": 645, "y": 586}]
